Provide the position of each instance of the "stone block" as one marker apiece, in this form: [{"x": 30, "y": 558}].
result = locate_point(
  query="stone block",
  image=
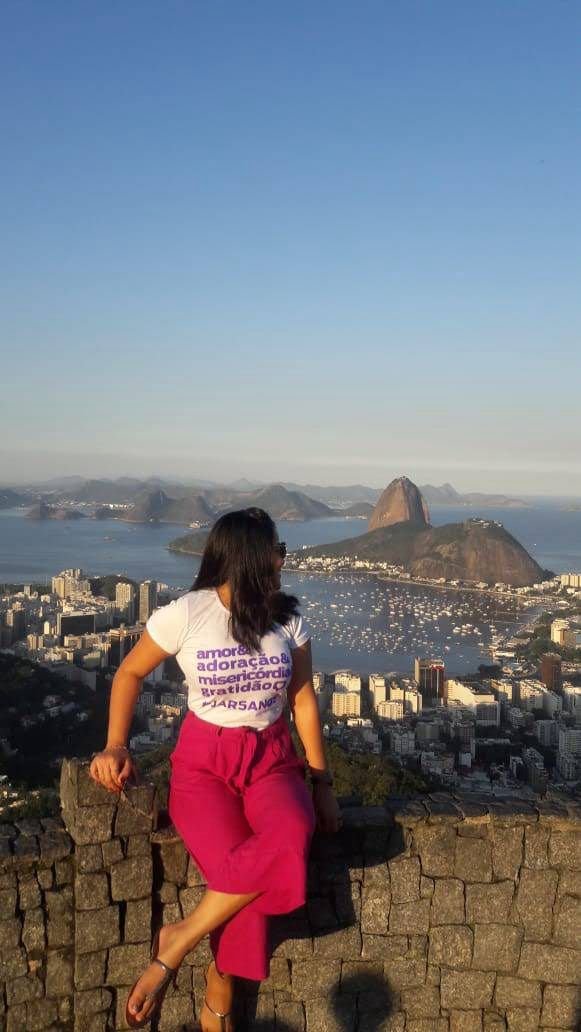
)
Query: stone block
[
  {"x": 60, "y": 918},
  {"x": 168, "y": 893},
  {"x": 10, "y": 932},
  {"x": 25, "y": 851},
  {"x": 569, "y": 883},
  {"x": 404, "y": 972},
  {"x": 547, "y": 963},
  {"x": 405, "y": 879},
  {"x": 534, "y": 901},
  {"x": 410, "y": 918},
  {"x": 516, "y": 992},
  {"x": 132, "y": 879},
  {"x": 59, "y": 973},
  {"x": 126, "y": 963},
  {"x": 378, "y": 1021},
  {"x": 347, "y": 902},
  {"x": 565, "y": 850},
  {"x": 333, "y": 1014},
  {"x": 567, "y": 929},
  {"x": 54, "y": 846},
  {"x": 8, "y": 899},
  {"x": 536, "y": 846},
  {"x": 310, "y": 980},
  {"x": 33, "y": 932},
  {"x": 359, "y": 976},
  {"x": 426, "y": 887},
  {"x": 13, "y": 963},
  {"x": 507, "y": 851},
  {"x": 450, "y": 946},
  {"x": 493, "y": 1022},
  {"x": 177, "y": 1012},
  {"x": 20, "y": 990},
  {"x": 89, "y": 825},
  {"x": 377, "y": 876},
  {"x": 466, "y": 990},
  {"x": 522, "y": 1019},
  {"x": 421, "y": 1001},
  {"x": 344, "y": 943},
  {"x": 90, "y": 969},
  {"x": 91, "y": 891},
  {"x": 489, "y": 904},
  {"x": 465, "y": 1021},
  {"x": 112, "y": 852},
  {"x": 135, "y": 813},
  {"x": 138, "y": 845},
  {"x": 473, "y": 860},
  {"x": 97, "y": 929},
  {"x": 427, "y": 1025},
  {"x": 174, "y": 862},
  {"x": 436, "y": 848},
  {"x": 29, "y": 893},
  {"x": 447, "y": 902},
  {"x": 45, "y": 878},
  {"x": 138, "y": 921},
  {"x": 383, "y": 947},
  {"x": 194, "y": 876},
  {"x": 497, "y": 947},
  {"x": 40, "y": 1014},
  {"x": 16, "y": 1018},
  {"x": 89, "y": 859},
  {"x": 561, "y": 1006},
  {"x": 290, "y": 1016},
  {"x": 375, "y": 910},
  {"x": 417, "y": 946},
  {"x": 63, "y": 870},
  {"x": 92, "y": 1001}
]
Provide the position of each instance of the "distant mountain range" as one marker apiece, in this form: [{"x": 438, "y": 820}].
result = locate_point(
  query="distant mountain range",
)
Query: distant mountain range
[{"x": 156, "y": 497}]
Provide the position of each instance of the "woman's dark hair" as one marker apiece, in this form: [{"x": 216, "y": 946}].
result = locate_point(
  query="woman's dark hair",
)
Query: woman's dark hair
[{"x": 240, "y": 549}]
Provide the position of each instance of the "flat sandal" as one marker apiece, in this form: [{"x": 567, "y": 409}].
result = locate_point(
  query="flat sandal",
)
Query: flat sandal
[
  {"x": 156, "y": 994},
  {"x": 219, "y": 1014}
]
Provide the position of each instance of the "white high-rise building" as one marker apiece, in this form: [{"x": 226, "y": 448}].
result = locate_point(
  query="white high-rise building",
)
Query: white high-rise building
[
  {"x": 346, "y": 704},
  {"x": 125, "y": 600},
  {"x": 348, "y": 680}
]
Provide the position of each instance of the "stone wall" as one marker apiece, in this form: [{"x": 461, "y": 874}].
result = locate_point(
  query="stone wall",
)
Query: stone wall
[{"x": 436, "y": 915}]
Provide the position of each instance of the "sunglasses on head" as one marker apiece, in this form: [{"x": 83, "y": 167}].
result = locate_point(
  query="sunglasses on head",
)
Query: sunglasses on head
[{"x": 280, "y": 549}]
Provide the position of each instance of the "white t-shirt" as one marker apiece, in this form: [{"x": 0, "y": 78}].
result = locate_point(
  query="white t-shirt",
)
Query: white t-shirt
[{"x": 227, "y": 684}]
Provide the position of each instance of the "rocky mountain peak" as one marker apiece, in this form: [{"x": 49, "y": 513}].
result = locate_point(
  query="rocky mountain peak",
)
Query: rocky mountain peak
[{"x": 401, "y": 502}]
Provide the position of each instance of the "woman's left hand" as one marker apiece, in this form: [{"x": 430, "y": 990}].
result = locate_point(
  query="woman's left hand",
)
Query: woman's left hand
[{"x": 326, "y": 808}]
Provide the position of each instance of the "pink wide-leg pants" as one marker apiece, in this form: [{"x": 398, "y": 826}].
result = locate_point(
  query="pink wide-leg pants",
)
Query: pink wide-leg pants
[{"x": 239, "y": 800}]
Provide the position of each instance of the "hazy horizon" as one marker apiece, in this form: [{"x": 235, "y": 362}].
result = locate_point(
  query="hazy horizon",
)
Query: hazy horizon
[{"x": 100, "y": 467}]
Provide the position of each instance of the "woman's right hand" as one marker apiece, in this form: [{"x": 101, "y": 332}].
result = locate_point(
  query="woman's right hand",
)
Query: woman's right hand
[{"x": 112, "y": 767}]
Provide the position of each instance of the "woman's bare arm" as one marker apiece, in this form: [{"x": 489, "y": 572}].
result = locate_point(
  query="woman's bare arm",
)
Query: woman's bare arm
[
  {"x": 304, "y": 707},
  {"x": 144, "y": 657}
]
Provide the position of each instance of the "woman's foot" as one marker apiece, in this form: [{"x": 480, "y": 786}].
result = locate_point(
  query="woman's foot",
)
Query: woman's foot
[
  {"x": 220, "y": 997},
  {"x": 171, "y": 949}
]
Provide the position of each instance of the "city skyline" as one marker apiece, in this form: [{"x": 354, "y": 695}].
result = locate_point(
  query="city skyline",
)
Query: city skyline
[{"x": 292, "y": 244}]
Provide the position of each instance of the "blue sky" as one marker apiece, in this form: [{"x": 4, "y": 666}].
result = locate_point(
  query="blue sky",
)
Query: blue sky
[{"x": 313, "y": 241}]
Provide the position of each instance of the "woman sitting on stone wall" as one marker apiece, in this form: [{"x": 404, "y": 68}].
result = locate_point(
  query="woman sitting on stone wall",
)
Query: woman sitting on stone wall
[{"x": 238, "y": 795}]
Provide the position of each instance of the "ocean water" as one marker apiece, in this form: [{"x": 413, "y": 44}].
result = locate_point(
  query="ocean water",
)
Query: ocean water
[{"x": 357, "y": 621}]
